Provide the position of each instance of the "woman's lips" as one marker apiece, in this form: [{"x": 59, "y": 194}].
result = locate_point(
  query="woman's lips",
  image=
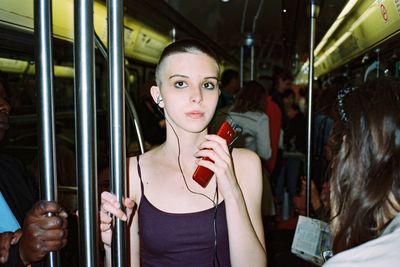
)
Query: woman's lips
[{"x": 195, "y": 114}]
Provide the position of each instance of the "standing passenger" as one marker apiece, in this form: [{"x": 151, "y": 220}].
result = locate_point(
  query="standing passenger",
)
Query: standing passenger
[
  {"x": 248, "y": 113},
  {"x": 230, "y": 82},
  {"x": 34, "y": 233},
  {"x": 365, "y": 181},
  {"x": 177, "y": 222},
  {"x": 275, "y": 122}
]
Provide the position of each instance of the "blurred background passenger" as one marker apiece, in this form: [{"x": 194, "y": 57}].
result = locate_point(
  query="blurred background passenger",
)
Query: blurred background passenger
[
  {"x": 33, "y": 233},
  {"x": 324, "y": 115},
  {"x": 275, "y": 123},
  {"x": 230, "y": 85},
  {"x": 282, "y": 82},
  {"x": 294, "y": 150},
  {"x": 248, "y": 112},
  {"x": 365, "y": 181}
]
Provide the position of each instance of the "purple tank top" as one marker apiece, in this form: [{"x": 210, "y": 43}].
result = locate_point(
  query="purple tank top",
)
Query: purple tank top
[{"x": 187, "y": 239}]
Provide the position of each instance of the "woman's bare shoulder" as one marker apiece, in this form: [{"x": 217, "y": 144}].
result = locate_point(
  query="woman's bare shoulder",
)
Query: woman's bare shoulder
[
  {"x": 244, "y": 156},
  {"x": 247, "y": 164},
  {"x": 133, "y": 164},
  {"x": 143, "y": 158}
]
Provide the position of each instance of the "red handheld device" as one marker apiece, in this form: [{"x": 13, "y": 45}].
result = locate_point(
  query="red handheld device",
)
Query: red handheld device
[{"x": 202, "y": 175}]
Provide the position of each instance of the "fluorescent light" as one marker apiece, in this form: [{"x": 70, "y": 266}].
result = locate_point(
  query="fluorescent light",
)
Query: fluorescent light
[{"x": 349, "y": 6}]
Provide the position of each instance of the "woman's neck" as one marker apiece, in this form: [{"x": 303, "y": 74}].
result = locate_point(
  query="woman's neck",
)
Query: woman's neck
[{"x": 183, "y": 143}]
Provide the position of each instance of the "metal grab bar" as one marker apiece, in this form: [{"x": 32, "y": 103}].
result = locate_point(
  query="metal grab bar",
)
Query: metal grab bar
[
  {"x": 85, "y": 117},
  {"x": 313, "y": 18},
  {"x": 117, "y": 122},
  {"x": 44, "y": 71},
  {"x": 129, "y": 101}
]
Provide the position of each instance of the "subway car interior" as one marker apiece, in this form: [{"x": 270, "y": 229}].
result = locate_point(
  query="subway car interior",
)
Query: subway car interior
[{"x": 302, "y": 52}]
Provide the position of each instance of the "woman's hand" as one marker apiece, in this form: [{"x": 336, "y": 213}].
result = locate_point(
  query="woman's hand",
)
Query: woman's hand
[
  {"x": 216, "y": 149},
  {"x": 109, "y": 208}
]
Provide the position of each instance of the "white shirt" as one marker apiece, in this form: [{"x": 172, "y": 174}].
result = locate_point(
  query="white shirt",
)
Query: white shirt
[{"x": 383, "y": 251}]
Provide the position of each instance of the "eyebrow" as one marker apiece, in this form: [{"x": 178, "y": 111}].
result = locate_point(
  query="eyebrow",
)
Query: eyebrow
[
  {"x": 185, "y": 76},
  {"x": 178, "y": 75}
]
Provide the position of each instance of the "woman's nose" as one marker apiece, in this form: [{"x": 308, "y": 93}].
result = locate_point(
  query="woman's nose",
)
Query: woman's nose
[{"x": 196, "y": 96}]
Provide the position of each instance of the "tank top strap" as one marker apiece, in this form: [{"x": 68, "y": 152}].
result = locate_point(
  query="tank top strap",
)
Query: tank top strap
[{"x": 140, "y": 174}]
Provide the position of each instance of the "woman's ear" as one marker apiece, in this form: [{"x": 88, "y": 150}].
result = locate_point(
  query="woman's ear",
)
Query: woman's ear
[{"x": 157, "y": 97}]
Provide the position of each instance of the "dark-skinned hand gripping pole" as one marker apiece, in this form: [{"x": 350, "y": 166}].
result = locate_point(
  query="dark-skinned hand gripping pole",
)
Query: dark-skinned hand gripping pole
[{"x": 45, "y": 105}]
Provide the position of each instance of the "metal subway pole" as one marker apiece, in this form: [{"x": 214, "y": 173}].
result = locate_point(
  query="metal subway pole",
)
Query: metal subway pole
[
  {"x": 252, "y": 52},
  {"x": 117, "y": 122},
  {"x": 44, "y": 72},
  {"x": 85, "y": 118},
  {"x": 241, "y": 65},
  {"x": 135, "y": 118},
  {"x": 129, "y": 101},
  {"x": 314, "y": 10}
]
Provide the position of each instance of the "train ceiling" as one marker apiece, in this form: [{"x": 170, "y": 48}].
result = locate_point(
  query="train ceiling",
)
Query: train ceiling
[
  {"x": 345, "y": 29},
  {"x": 281, "y": 30}
]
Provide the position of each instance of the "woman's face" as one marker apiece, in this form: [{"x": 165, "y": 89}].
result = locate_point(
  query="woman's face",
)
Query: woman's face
[{"x": 189, "y": 90}]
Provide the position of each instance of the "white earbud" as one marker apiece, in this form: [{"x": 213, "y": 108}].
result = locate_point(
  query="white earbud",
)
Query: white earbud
[{"x": 159, "y": 99}]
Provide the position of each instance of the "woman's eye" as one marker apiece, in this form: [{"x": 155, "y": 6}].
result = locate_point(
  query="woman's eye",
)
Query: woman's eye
[
  {"x": 180, "y": 84},
  {"x": 208, "y": 85}
]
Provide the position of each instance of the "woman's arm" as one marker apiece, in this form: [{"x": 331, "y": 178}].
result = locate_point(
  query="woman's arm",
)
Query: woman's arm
[
  {"x": 135, "y": 193},
  {"x": 110, "y": 208},
  {"x": 242, "y": 199},
  {"x": 246, "y": 231}
]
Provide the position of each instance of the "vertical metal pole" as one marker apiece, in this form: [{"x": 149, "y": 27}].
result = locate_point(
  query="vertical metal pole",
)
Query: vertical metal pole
[
  {"x": 173, "y": 34},
  {"x": 117, "y": 122},
  {"x": 241, "y": 65},
  {"x": 44, "y": 72},
  {"x": 252, "y": 62},
  {"x": 313, "y": 17},
  {"x": 85, "y": 117},
  {"x": 129, "y": 101},
  {"x": 135, "y": 120}
]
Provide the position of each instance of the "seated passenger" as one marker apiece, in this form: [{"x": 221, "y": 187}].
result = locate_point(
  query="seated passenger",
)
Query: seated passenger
[
  {"x": 39, "y": 233},
  {"x": 365, "y": 180}
]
